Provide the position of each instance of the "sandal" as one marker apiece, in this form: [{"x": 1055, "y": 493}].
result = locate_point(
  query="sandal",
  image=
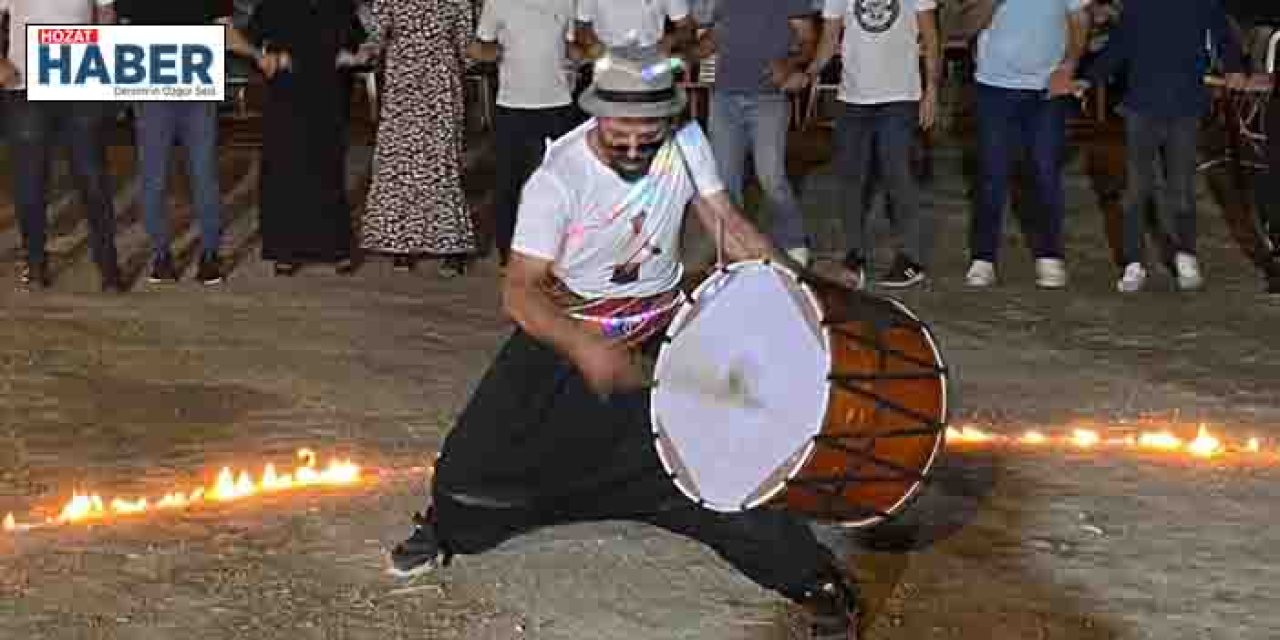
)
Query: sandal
[
  {"x": 452, "y": 267},
  {"x": 403, "y": 263}
]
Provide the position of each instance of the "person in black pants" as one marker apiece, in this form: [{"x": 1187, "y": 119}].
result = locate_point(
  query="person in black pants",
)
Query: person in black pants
[
  {"x": 1251, "y": 13},
  {"x": 535, "y": 93}
]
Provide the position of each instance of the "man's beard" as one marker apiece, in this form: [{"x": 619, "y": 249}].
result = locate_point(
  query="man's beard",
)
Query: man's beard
[{"x": 632, "y": 170}]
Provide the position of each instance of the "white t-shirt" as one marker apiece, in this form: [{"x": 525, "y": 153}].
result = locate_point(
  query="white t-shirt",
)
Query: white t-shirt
[
  {"x": 24, "y": 12},
  {"x": 881, "y": 49},
  {"x": 532, "y": 34},
  {"x": 606, "y": 237},
  {"x": 617, "y": 21}
]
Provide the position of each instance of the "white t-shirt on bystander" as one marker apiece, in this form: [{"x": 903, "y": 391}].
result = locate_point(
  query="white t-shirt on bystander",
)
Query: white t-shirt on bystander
[
  {"x": 24, "y": 12},
  {"x": 881, "y": 49},
  {"x": 606, "y": 237},
  {"x": 616, "y": 22},
  {"x": 533, "y": 34}
]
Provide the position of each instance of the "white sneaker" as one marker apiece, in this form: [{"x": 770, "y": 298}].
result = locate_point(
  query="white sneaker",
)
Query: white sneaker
[
  {"x": 1135, "y": 275},
  {"x": 1051, "y": 273},
  {"x": 800, "y": 255},
  {"x": 1187, "y": 268},
  {"x": 982, "y": 274}
]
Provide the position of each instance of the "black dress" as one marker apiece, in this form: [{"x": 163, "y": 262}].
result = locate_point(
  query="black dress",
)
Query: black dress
[{"x": 305, "y": 212}]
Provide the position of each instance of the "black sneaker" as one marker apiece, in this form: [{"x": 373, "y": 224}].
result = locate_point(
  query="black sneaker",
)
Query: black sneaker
[
  {"x": 421, "y": 552},
  {"x": 162, "y": 269},
  {"x": 902, "y": 274},
  {"x": 210, "y": 270},
  {"x": 112, "y": 282},
  {"x": 856, "y": 265},
  {"x": 34, "y": 276},
  {"x": 831, "y": 610}
]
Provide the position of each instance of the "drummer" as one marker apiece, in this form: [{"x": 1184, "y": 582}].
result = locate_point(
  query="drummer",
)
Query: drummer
[{"x": 558, "y": 430}]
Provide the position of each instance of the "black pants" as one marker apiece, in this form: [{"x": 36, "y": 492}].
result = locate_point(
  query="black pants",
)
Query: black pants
[
  {"x": 1153, "y": 143},
  {"x": 35, "y": 129},
  {"x": 1270, "y": 191},
  {"x": 535, "y": 447},
  {"x": 520, "y": 137}
]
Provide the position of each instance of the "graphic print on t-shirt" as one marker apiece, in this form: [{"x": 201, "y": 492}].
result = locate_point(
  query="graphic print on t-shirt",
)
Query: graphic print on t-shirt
[
  {"x": 877, "y": 16},
  {"x": 637, "y": 252}
]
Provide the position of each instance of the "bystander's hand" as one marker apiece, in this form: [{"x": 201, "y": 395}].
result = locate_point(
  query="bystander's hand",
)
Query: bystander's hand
[
  {"x": 795, "y": 82},
  {"x": 274, "y": 62},
  {"x": 1062, "y": 82},
  {"x": 928, "y": 109},
  {"x": 609, "y": 367},
  {"x": 8, "y": 73}
]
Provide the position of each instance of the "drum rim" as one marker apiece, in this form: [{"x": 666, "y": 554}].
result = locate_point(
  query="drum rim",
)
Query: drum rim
[{"x": 677, "y": 323}]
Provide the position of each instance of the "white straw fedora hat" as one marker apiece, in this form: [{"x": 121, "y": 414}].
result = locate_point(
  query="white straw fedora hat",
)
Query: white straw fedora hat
[{"x": 634, "y": 83}]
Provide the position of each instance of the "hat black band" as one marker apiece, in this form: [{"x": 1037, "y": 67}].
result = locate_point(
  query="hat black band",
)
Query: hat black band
[{"x": 661, "y": 95}]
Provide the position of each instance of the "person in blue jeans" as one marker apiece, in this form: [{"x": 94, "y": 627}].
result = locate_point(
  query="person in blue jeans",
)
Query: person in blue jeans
[
  {"x": 194, "y": 125},
  {"x": 1026, "y": 47},
  {"x": 885, "y": 99},
  {"x": 762, "y": 49},
  {"x": 35, "y": 129},
  {"x": 1160, "y": 44}
]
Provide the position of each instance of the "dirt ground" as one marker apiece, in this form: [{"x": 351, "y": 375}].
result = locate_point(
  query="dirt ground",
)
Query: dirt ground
[{"x": 139, "y": 393}]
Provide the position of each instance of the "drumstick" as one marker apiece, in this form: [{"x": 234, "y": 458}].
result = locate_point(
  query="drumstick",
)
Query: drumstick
[{"x": 719, "y": 239}]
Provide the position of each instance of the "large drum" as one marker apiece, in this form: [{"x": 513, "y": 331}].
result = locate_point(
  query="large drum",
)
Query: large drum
[{"x": 773, "y": 390}]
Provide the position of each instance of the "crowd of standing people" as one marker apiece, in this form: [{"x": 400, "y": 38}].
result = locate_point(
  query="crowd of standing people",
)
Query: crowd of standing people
[{"x": 1030, "y": 60}]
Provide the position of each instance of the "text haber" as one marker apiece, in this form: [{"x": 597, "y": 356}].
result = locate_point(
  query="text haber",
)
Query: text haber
[{"x": 68, "y": 36}]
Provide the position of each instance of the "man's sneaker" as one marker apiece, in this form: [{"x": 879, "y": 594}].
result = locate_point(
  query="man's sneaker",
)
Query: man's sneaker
[
  {"x": 800, "y": 255},
  {"x": 1187, "y": 270},
  {"x": 1051, "y": 273},
  {"x": 162, "y": 269},
  {"x": 421, "y": 552},
  {"x": 856, "y": 267},
  {"x": 982, "y": 274},
  {"x": 902, "y": 275},
  {"x": 831, "y": 610},
  {"x": 210, "y": 270},
  {"x": 1134, "y": 276},
  {"x": 34, "y": 276}
]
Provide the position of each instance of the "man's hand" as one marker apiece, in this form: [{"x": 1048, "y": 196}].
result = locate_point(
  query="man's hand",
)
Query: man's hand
[
  {"x": 8, "y": 73},
  {"x": 1062, "y": 82},
  {"x": 608, "y": 367},
  {"x": 928, "y": 109},
  {"x": 1237, "y": 81}
]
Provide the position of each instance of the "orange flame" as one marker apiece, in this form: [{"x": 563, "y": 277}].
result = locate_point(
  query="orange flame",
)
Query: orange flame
[
  {"x": 968, "y": 434},
  {"x": 1033, "y": 437},
  {"x": 1161, "y": 440},
  {"x": 1204, "y": 445},
  {"x": 1085, "y": 438},
  {"x": 227, "y": 486},
  {"x": 9, "y": 523}
]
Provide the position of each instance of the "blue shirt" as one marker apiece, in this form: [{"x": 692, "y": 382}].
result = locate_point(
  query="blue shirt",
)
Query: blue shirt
[
  {"x": 1026, "y": 41},
  {"x": 749, "y": 35},
  {"x": 1162, "y": 48}
]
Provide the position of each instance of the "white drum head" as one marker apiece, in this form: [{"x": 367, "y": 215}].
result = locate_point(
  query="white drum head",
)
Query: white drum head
[{"x": 741, "y": 386}]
